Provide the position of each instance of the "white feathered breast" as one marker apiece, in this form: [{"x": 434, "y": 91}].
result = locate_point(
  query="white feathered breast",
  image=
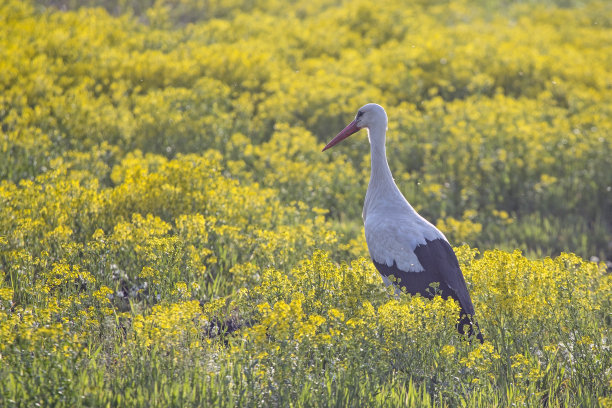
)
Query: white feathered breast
[{"x": 393, "y": 238}]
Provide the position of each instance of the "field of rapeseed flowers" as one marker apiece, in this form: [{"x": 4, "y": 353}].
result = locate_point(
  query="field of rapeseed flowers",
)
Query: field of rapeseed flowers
[{"x": 171, "y": 235}]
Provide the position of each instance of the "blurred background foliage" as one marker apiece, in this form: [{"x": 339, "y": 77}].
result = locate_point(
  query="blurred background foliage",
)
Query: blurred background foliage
[
  {"x": 499, "y": 127},
  {"x": 161, "y": 180}
]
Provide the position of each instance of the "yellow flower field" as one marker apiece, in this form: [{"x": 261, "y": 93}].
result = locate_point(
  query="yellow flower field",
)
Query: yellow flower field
[{"x": 172, "y": 235}]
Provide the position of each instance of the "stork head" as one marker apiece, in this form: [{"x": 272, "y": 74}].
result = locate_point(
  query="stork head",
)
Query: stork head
[{"x": 370, "y": 116}]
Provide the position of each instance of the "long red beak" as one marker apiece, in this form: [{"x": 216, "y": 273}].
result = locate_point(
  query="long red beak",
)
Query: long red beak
[{"x": 346, "y": 132}]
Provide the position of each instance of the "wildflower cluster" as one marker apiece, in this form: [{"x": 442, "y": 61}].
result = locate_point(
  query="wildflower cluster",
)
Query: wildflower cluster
[
  {"x": 494, "y": 111},
  {"x": 171, "y": 235}
]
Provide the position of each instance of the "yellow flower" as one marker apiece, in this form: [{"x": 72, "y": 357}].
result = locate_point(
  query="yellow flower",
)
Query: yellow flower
[
  {"x": 102, "y": 294},
  {"x": 335, "y": 314},
  {"x": 6, "y": 294},
  {"x": 447, "y": 351}
]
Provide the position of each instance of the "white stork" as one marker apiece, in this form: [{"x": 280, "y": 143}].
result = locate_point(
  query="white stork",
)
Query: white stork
[{"x": 401, "y": 242}]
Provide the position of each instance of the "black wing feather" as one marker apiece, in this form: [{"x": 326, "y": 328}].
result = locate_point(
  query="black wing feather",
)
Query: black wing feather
[
  {"x": 438, "y": 258},
  {"x": 440, "y": 265}
]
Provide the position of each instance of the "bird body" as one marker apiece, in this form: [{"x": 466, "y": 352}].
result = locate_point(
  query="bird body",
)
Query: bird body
[{"x": 401, "y": 243}]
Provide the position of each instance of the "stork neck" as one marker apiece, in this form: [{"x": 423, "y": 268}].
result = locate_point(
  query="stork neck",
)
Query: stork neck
[
  {"x": 380, "y": 172},
  {"x": 382, "y": 189},
  {"x": 380, "y": 175}
]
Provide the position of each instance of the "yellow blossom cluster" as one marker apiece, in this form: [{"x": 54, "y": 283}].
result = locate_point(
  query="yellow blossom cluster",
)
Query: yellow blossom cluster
[
  {"x": 497, "y": 109},
  {"x": 171, "y": 234}
]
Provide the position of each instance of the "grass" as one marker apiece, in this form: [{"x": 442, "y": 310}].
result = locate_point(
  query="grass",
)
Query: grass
[{"x": 171, "y": 235}]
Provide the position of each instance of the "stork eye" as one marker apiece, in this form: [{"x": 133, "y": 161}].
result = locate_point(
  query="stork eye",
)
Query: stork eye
[{"x": 359, "y": 114}]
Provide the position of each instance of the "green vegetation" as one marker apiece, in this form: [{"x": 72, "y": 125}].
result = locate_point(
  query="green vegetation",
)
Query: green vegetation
[{"x": 162, "y": 185}]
